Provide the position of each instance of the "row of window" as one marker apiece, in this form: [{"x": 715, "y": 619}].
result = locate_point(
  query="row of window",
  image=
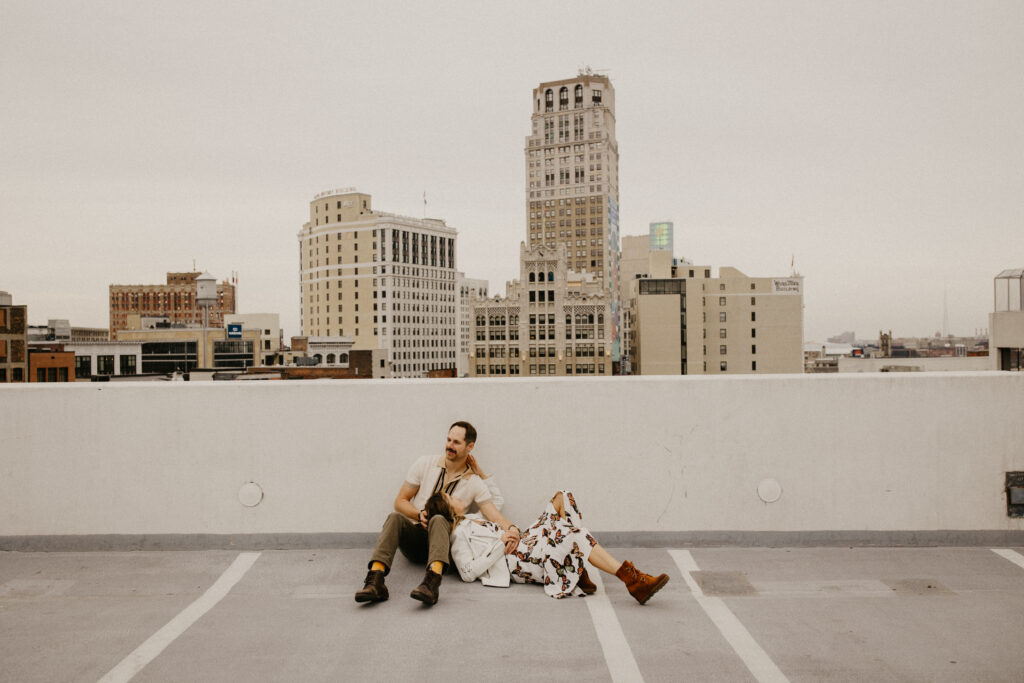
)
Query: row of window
[
  {"x": 563, "y": 98},
  {"x": 722, "y": 333},
  {"x": 723, "y": 350},
  {"x": 51, "y": 374},
  {"x": 580, "y": 351},
  {"x": 542, "y": 369},
  {"x": 722, "y": 316},
  {"x": 724, "y": 366}
]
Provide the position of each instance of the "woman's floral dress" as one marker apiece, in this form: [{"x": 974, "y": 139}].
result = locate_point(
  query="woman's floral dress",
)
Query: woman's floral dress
[{"x": 552, "y": 551}]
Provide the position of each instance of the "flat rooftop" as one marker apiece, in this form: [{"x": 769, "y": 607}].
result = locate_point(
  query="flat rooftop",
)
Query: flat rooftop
[{"x": 728, "y": 614}]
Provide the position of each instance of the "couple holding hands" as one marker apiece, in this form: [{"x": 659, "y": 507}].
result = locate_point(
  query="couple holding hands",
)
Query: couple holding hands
[{"x": 430, "y": 525}]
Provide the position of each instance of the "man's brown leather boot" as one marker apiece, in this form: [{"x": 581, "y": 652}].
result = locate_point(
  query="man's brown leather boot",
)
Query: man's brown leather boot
[
  {"x": 641, "y": 586},
  {"x": 374, "y": 590},
  {"x": 586, "y": 585},
  {"x": 427, "y": 591}
]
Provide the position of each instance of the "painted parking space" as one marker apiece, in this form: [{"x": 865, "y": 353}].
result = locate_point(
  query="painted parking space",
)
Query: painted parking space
[
  {"x": 937, "y": 614},
  {"x": 73, "y": 616},
  {"x": 814, "y": 613}
]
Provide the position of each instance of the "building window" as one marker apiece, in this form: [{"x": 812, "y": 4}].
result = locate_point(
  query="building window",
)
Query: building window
[
  {"x": 753, "y": 332},
  {"x": 753, "y": 316},
  {"x": 753, "y": 348},
  {"x": 595, "y": 97},
  {"x": 83, "y": 367},
  {"x": 722, "y": 350},
  {"x": 723, "y": 366},
  {"x": 104, "y": 365},
  {"x": 721, "y": 301},
  {"x": 721, "y": 317},
  {"x": 753, "y": 365},
  {"x": 549, "y": 102},
  {"x": 721, "y": 333},
  {"x": 127, "y": 365}
]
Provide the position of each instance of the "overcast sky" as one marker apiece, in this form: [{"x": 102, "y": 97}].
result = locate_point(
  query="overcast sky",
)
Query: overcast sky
[{"x": 879, "y": 144}]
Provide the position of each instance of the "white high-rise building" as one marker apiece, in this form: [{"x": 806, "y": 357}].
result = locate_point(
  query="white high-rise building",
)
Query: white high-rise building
[{"x": 385, "y": 281}]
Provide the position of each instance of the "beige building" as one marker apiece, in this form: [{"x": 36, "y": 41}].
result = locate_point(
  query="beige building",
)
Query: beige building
[
  {"x": 572, "y": 180},
  {"x": 685, "y": 322},
  {"x": 182, "y": 349},
  {"x": 271, "y": 334},
  {"x": 551, "y": 321},
  {"x": 383, "y": 280},
  {"x": 1006, "y": 322},
  {"x": 467, "y": 291}
]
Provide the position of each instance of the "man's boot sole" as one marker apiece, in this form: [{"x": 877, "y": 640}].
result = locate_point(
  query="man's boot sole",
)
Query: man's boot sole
[
  {"x": 370, "y": 598},
  {"x": 425, "y": 599}
]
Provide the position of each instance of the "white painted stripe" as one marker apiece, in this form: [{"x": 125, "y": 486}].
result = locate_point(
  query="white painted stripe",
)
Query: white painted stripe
[
  {"x": 755, "y": 658},
  {"x": 617, "y": 655},
  {"x": 151, "y": 649},
  {"x": 1011, "y": 555}
]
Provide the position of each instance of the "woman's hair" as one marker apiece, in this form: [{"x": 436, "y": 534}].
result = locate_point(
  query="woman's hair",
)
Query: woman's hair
[{"x": 438, "y": 505}]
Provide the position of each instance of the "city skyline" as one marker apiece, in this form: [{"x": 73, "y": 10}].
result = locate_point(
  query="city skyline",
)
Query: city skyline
[{"x": 876, "y": 146}]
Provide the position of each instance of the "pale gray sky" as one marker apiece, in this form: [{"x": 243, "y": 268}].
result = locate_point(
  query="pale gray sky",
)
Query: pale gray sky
[{"x": 881, "y": 143}]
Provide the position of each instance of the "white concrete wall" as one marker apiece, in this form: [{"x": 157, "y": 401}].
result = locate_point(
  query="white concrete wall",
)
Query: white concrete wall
[{"x": 857, "y": 452}]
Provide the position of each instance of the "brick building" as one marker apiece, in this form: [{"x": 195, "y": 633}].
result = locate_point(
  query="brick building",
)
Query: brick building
[
  {"x": 13, "y": 340},
  {"x": 175, "y": 301}
]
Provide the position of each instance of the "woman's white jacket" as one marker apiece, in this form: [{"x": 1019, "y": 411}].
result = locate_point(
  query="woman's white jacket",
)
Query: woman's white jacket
[{"x": 478, "y": 552}]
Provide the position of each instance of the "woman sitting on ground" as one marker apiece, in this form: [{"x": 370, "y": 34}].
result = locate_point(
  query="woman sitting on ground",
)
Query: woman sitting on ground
[{"x": 552, "y": 552}]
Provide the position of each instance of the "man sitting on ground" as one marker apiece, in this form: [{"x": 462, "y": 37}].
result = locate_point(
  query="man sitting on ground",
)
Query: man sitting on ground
[{"x": 429, "y": 540}]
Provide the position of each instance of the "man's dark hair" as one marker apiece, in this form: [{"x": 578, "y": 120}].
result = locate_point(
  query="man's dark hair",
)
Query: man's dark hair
[{"x": 470, "y": 430}]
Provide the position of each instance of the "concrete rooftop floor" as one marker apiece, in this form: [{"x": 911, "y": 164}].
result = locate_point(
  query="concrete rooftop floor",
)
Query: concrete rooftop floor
[{"x": 728, "y": 614}]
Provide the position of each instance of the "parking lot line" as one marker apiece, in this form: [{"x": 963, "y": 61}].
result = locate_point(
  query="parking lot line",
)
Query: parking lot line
[
  {"x": 1011, "y": 555},
  {"x": 617, "y": 653},
  {"x": 155, "y": 644},
  {"x": 753, "y": 656}
]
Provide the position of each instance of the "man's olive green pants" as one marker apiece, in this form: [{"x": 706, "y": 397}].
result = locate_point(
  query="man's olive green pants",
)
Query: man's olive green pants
[{"x": 421, "y": 546}]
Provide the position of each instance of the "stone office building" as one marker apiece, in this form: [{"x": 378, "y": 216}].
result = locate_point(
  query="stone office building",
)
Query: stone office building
[
  {"x": 572, "y": 181},
  {"x": 552, "y": 321}
]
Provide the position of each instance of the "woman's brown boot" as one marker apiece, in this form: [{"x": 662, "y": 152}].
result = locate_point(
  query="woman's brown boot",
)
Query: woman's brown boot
[
  {"x": 641, "y": 586},
  {"x": 586, "y": 585}
]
